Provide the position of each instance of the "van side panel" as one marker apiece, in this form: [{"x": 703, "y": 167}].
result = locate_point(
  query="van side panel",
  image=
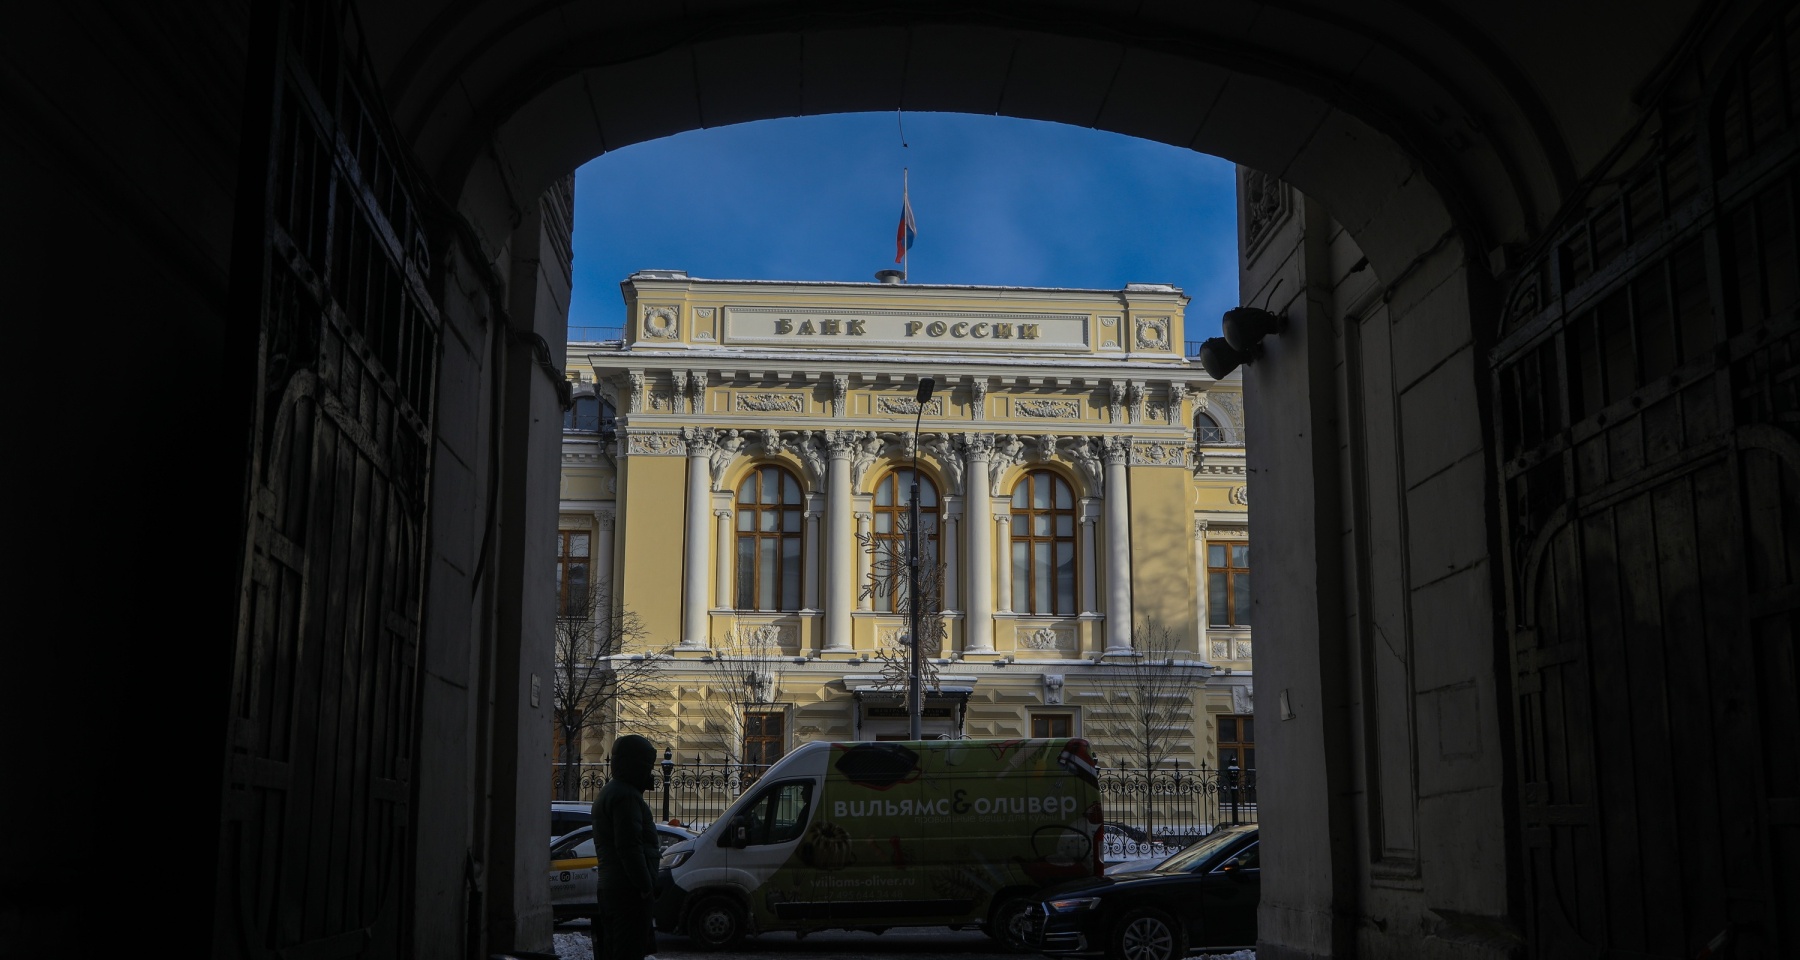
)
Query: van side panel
[{"x": 928, "y": 833}]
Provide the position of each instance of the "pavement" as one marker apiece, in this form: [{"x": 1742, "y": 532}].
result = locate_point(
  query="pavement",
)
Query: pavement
[{"x": 572, "y": 943}]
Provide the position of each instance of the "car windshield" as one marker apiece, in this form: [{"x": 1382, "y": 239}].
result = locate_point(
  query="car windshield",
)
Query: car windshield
[{"x": 1191, "y": 856}]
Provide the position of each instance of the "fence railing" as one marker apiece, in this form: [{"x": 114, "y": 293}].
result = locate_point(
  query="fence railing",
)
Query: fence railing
[
  {"x": 1153, "y": 813},
  {"x": 1164, "y": 810},
  {"x": 1190, "y": 348},
  {"x": 595, "y": 334}
]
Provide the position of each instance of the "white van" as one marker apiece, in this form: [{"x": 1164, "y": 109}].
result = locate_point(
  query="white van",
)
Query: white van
[{"x": 868, "y": 836}]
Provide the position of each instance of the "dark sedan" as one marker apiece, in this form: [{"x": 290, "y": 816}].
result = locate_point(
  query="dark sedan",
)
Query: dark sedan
[{"x": 1203, "y": 898}]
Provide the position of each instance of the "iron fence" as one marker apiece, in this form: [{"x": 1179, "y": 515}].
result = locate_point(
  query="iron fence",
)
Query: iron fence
[
  {"x": 1150, "y": 813},
  {"x": 1157, "y": 812}
]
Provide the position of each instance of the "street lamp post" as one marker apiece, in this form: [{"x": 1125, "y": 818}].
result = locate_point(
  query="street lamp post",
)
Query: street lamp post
[{"x": 915, "y": 703}]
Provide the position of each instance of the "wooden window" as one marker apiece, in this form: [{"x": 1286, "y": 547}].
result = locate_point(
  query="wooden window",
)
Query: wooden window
[
  {"x": 768, "y": 540},
  {"x": 893, "y": 499},
  {"x": 1237, "y": 742},
  {"x": 1228, "y": 584},
  {"x": 765, "y": 739},
  {"x": 1043, "y": 544},
  {"x": 572, "y": 573},
  {"x": 1052, "y": 725}
]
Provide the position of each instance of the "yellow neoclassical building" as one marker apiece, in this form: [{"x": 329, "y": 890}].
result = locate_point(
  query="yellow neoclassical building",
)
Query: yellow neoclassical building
[{"x": 731, "y": 458}]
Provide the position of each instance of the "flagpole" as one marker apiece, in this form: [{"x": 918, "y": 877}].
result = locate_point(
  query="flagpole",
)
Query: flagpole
[{"x": 905, "y": 205}]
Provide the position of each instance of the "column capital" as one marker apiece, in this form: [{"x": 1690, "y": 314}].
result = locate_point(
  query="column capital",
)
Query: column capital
[
  {"x": 701, "y": 441},
  {"x": 1200, "y": 528},
  {"x": 842, "y": 444},
  {"x": 1116, "y": 450},
  {"x": 721, "y": 512},
  {"x": 978, "y": 447},
  {"x": 603, "y": 520}
]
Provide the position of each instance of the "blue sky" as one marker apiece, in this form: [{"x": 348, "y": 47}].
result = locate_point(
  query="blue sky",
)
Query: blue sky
[{"x": 997, "y": 201}]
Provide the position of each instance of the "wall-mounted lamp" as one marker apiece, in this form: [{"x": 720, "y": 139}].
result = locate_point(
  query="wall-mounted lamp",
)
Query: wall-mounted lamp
[
  {"x": 1244, "y": 329},
  {"x": 1246, "y": 326},
  {"x": 1218, "y": 359}
]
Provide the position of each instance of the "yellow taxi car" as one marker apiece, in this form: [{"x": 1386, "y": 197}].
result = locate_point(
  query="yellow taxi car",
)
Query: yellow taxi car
[{"x": 574, "y": 872}]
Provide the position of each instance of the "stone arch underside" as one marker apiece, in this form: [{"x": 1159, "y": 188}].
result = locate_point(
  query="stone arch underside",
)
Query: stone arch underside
[{"x": 1356, "y": 114}]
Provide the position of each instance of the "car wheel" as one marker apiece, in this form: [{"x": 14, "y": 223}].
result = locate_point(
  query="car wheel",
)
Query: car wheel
[
  {"x": 1148, "y": 935},
  {"x": 1009, "y": 922},
  {"x": 716, "y": 923}
]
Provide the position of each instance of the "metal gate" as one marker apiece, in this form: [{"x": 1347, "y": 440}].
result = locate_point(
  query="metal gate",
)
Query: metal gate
[
  {"x": 1647, "y": 386},
  {"x": 314, "y": 852}
]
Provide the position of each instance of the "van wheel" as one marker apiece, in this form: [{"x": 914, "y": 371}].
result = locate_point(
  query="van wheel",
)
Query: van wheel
[
  {"x": 1147, "y": 934},
  {"x": 1009, "y": 921},
  {"x": 716, "y": 923}
]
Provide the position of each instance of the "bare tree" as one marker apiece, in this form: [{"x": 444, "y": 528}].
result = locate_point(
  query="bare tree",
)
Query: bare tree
[
  {"x": 1153, "y": 713},
  {"x": 744, "y": 673},
  {"x": 603, "y": 661},
  {"x": 889, "y": 575}
]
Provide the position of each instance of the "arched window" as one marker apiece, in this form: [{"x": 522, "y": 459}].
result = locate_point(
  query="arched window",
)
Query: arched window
[
  {"x": 1207, "y": 430},
  {"x": 588, "y": 414},
  {"x": 893, "y": 501},
  {"x": 1043, "y": 544},
  {"x": 768, "y": 540}
]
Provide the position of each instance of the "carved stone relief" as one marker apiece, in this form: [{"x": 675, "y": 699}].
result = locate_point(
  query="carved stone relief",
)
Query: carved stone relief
[
  {"x": 1158, "y": 453},
  {"x": 703, "y": 323},
  {"x": 772, "y": 402},
  {"x": 655, "y": 443},
  {"x": 1153, "y": 333},
  {"x": 662, "y": 323},
  {"x": 909, "y": 406},
  {"x": 978, "y": 389},
  {"x": 1221, "y": 649},
  {"x": 1045, "y": 638},
  {"x": 840, "y": 390},
  {"x": 1240, "y": 495},
  {"x": 1049, "y": 409},
  {"x": 1265, "y": 206}
]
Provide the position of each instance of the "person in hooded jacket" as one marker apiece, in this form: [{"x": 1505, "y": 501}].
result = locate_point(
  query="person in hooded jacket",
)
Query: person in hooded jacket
[{"x": 625, "y": 845}]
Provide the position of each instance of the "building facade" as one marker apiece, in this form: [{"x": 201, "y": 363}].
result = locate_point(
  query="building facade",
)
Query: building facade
[{"x": 736, "y": 474}]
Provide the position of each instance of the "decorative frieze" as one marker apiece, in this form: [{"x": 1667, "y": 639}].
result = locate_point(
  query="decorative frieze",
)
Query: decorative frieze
[
  {"x": 1045, "y": 638},
  {"x": 1159, "y": 453},
  {"x": 654, "y": 443},
  {"x": 771, "y": 402},
  {"x": 908, "y": 406},
  {"x": 1048, "y": 409}
]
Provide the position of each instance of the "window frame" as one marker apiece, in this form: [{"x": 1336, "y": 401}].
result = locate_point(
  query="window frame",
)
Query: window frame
[
  {"x": 778, "y": 739},
  {"x": 564, "y": 561},
  {"x": 1231, "y": 573},
  {"x": 895, "y": 511},
  {"x": 1064, "y": 716},
  {"x": 1218, "y": 429},
  {"x": 1024, "y": 517},
  {"x": 781, "y": 535},
  {"x": 1245, "y": 748}
]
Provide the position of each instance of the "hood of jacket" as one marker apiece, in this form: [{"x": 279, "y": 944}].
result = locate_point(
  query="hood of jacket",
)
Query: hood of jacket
[{"x": 634, "y": 761}]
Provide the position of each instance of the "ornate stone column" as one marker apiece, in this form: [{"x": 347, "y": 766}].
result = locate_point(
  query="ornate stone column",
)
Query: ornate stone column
[
  {"x": 603, "y": 558},
  {"x": 1201, "y": 622},
  {"x": 1118, "y": 546},
  {"x": 840, "y": 546},
  {"x": 864, "y": 520},
  {"x": 978, "y": 632},
  {"x": 1003, "y": 562},
  {"x": 947, "y": 549},
  {"x": 1088, "y": 561},
  {"x": 694, "y": 621},
  {"x": 809, "y": 568},
  {"x": 723, "y": 597}
]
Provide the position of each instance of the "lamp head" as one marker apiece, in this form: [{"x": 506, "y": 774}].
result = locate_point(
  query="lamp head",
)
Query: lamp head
[
  {"x": 1218, "y": 358},
  {"x": 1244, "y": 327},
  {"x": 926, "y": 386}
]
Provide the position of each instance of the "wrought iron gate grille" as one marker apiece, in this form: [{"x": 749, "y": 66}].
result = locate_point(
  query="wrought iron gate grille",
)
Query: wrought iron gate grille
[{"x": 314, "y": 854}]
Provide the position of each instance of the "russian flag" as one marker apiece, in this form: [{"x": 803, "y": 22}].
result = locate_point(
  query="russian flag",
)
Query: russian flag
[{"x": 907, "y": 232}]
